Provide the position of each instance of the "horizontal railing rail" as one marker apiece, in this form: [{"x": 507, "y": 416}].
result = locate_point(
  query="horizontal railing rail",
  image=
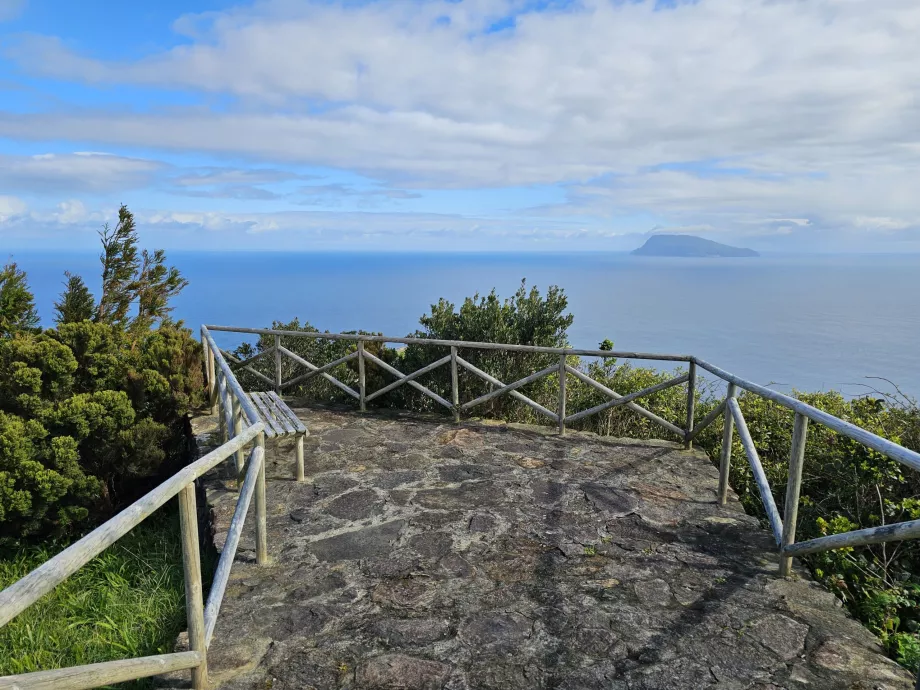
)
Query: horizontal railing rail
[
  {"x": 782, "y": 526},
  {"x": 453, "y": 343},
  {"x": 867, "y": 438},
  {"x": 235, "y": 407}
]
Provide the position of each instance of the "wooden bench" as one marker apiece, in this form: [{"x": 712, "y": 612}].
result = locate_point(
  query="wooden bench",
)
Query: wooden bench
[{"x": 280, "y": 421}]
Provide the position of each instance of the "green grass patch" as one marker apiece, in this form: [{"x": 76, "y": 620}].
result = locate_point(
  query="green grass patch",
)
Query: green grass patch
[{"x": 127, "y": 602}]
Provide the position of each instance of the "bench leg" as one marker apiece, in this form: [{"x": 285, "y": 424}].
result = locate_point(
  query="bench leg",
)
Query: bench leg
[{"x": 300, "y": 473}]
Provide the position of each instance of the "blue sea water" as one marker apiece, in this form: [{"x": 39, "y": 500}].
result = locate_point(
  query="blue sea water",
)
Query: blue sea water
[{"x": 806, "y": 322}]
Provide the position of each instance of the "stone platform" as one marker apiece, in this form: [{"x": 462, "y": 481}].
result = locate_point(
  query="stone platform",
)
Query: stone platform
[{"x": 421, "y": 554}]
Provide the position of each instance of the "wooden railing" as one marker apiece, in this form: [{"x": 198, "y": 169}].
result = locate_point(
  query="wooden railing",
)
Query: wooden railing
[
  {"x": 783, "y": 527},
  {"x": 241, "y": 428}
]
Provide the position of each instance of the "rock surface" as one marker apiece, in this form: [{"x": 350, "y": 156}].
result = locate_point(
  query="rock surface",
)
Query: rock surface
[{"x": 420, "y": 554}]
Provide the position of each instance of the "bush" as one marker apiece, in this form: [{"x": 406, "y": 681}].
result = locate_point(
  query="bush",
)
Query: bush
[
  {"x": 313, "y": 350},
  {"x": 93, "y": 412}
]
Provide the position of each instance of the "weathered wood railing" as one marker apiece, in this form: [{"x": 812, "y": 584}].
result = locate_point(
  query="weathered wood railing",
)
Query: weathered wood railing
[
  {"x": 241, "y": 427},
  {"x": 782, "y": 526}
]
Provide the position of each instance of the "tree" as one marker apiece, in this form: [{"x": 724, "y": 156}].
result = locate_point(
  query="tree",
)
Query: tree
[
  {"x": 119, "y": 269},
  {"x": 76, "y": 303},
  {"x": 156, "y": 285},
  {"x": 128, "y": 279},
  {"x": 17, "y": 304}
]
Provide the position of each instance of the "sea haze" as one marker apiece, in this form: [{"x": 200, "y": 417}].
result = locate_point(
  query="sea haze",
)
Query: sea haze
[{"x": 807, "y": 322}]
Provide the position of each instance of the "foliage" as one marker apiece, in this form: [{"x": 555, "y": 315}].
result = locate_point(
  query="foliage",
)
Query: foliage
[
  {"x": 87, "y": 423},
  {"x": 128, "y": 280},
  {"x": 127, "y": 602},
  {"x": 155, "y": 286},
  {"x": 119, "y": 268},
  {"x": 93, "y": 413},
  {"x": 76, "y": 303},
  {"x": 17, "y": 305},
  {"x": 526, "y": 318}
]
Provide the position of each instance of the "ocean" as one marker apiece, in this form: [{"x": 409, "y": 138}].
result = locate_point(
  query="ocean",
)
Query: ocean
[{"x": 793, "y": 322}]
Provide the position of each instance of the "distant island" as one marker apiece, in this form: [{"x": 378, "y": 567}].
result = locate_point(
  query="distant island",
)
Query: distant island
[{"x": 688, "y": 245}]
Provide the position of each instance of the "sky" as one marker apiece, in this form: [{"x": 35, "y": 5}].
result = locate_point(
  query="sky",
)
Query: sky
[{"x": 461, "y": 125}]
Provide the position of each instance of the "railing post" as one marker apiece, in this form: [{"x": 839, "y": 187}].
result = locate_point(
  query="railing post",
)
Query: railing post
[
  {"x": 691, "y": 402},
  {"x": 221, "y": 416},
  {"x": 561, "y": 407},
  {"x": 454, "y": 384},
  {"x": 278, "y": 364},
  {"x": 194, "y": 600},
  {"x": 237, "y": 430},
  {"x": 793, "y": 489},
  {"x": 209, "y": 368},
  {"x": 362, "y": 382},
  {"x": 261, "y": 527},
  {"x": 725, "y": 460},
  {"x": 212, "y": 378},
  {"x": 299, "y": 454}
]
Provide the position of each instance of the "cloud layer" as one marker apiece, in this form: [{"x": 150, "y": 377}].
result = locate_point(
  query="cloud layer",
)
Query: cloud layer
[{"x": 721, "y": 114}]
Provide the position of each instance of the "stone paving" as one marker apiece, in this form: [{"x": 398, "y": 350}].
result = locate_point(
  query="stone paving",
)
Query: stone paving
[{"x": 420, "y": 554}]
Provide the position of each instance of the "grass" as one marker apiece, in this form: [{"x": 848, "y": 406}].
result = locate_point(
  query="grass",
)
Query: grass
[{"x": 127, "y": 602}]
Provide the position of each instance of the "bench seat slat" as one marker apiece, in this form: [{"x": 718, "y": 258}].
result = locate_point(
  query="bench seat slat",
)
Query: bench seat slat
[
  {"x": 279, "y": 419},
  {"x": 276, "y": 408},
  {"x": 271, "y": 429},
  {"x": 279, "y": 425},
  {"x": 290, "y": 417}
]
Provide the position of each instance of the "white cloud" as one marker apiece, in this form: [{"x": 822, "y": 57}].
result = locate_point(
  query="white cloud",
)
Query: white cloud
[
  {"x": 814, "y": 105},
  {"x": 11, "y": 207},
  {"x": 71, "y": 211},
  {"x": 213, "y": 176},
  {"x": 51, "y": 173}
]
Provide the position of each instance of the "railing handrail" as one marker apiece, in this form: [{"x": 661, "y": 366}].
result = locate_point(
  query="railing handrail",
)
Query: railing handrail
[
  {"x": 848, "y": 429},
  {"x": 251, "y": 415},
  {"x": 505, "y": 347}
]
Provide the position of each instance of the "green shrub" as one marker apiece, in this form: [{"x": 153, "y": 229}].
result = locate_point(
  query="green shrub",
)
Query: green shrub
[
  {"x": 94, "y": 412},
  {"x": 17, "y": 305},
  {"x": 313, "y": 350}
]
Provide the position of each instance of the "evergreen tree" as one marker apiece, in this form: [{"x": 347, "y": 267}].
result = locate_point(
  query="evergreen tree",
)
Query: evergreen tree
[
  {"x": 130, "y": 279},
  {"x": 76, "y": 303},
  {"x": 17, "y": 304},
  {"x": 156, "y": 285},
  {"x": 120, "y": 265}
]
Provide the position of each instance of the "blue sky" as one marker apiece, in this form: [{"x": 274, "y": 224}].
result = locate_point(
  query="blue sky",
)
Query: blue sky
[{"x": 461, "y": 125}]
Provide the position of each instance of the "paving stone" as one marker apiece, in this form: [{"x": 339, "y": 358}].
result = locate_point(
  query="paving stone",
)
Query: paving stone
[
  {"x": 419, "y": 554},
  {"x": 402, "y": 672},
  {"x": 355, "y": 505},
  {"x": 781, "y": 635},
  {"x": 411, "y": 632},
  {"x": 361, "y": 543}
]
